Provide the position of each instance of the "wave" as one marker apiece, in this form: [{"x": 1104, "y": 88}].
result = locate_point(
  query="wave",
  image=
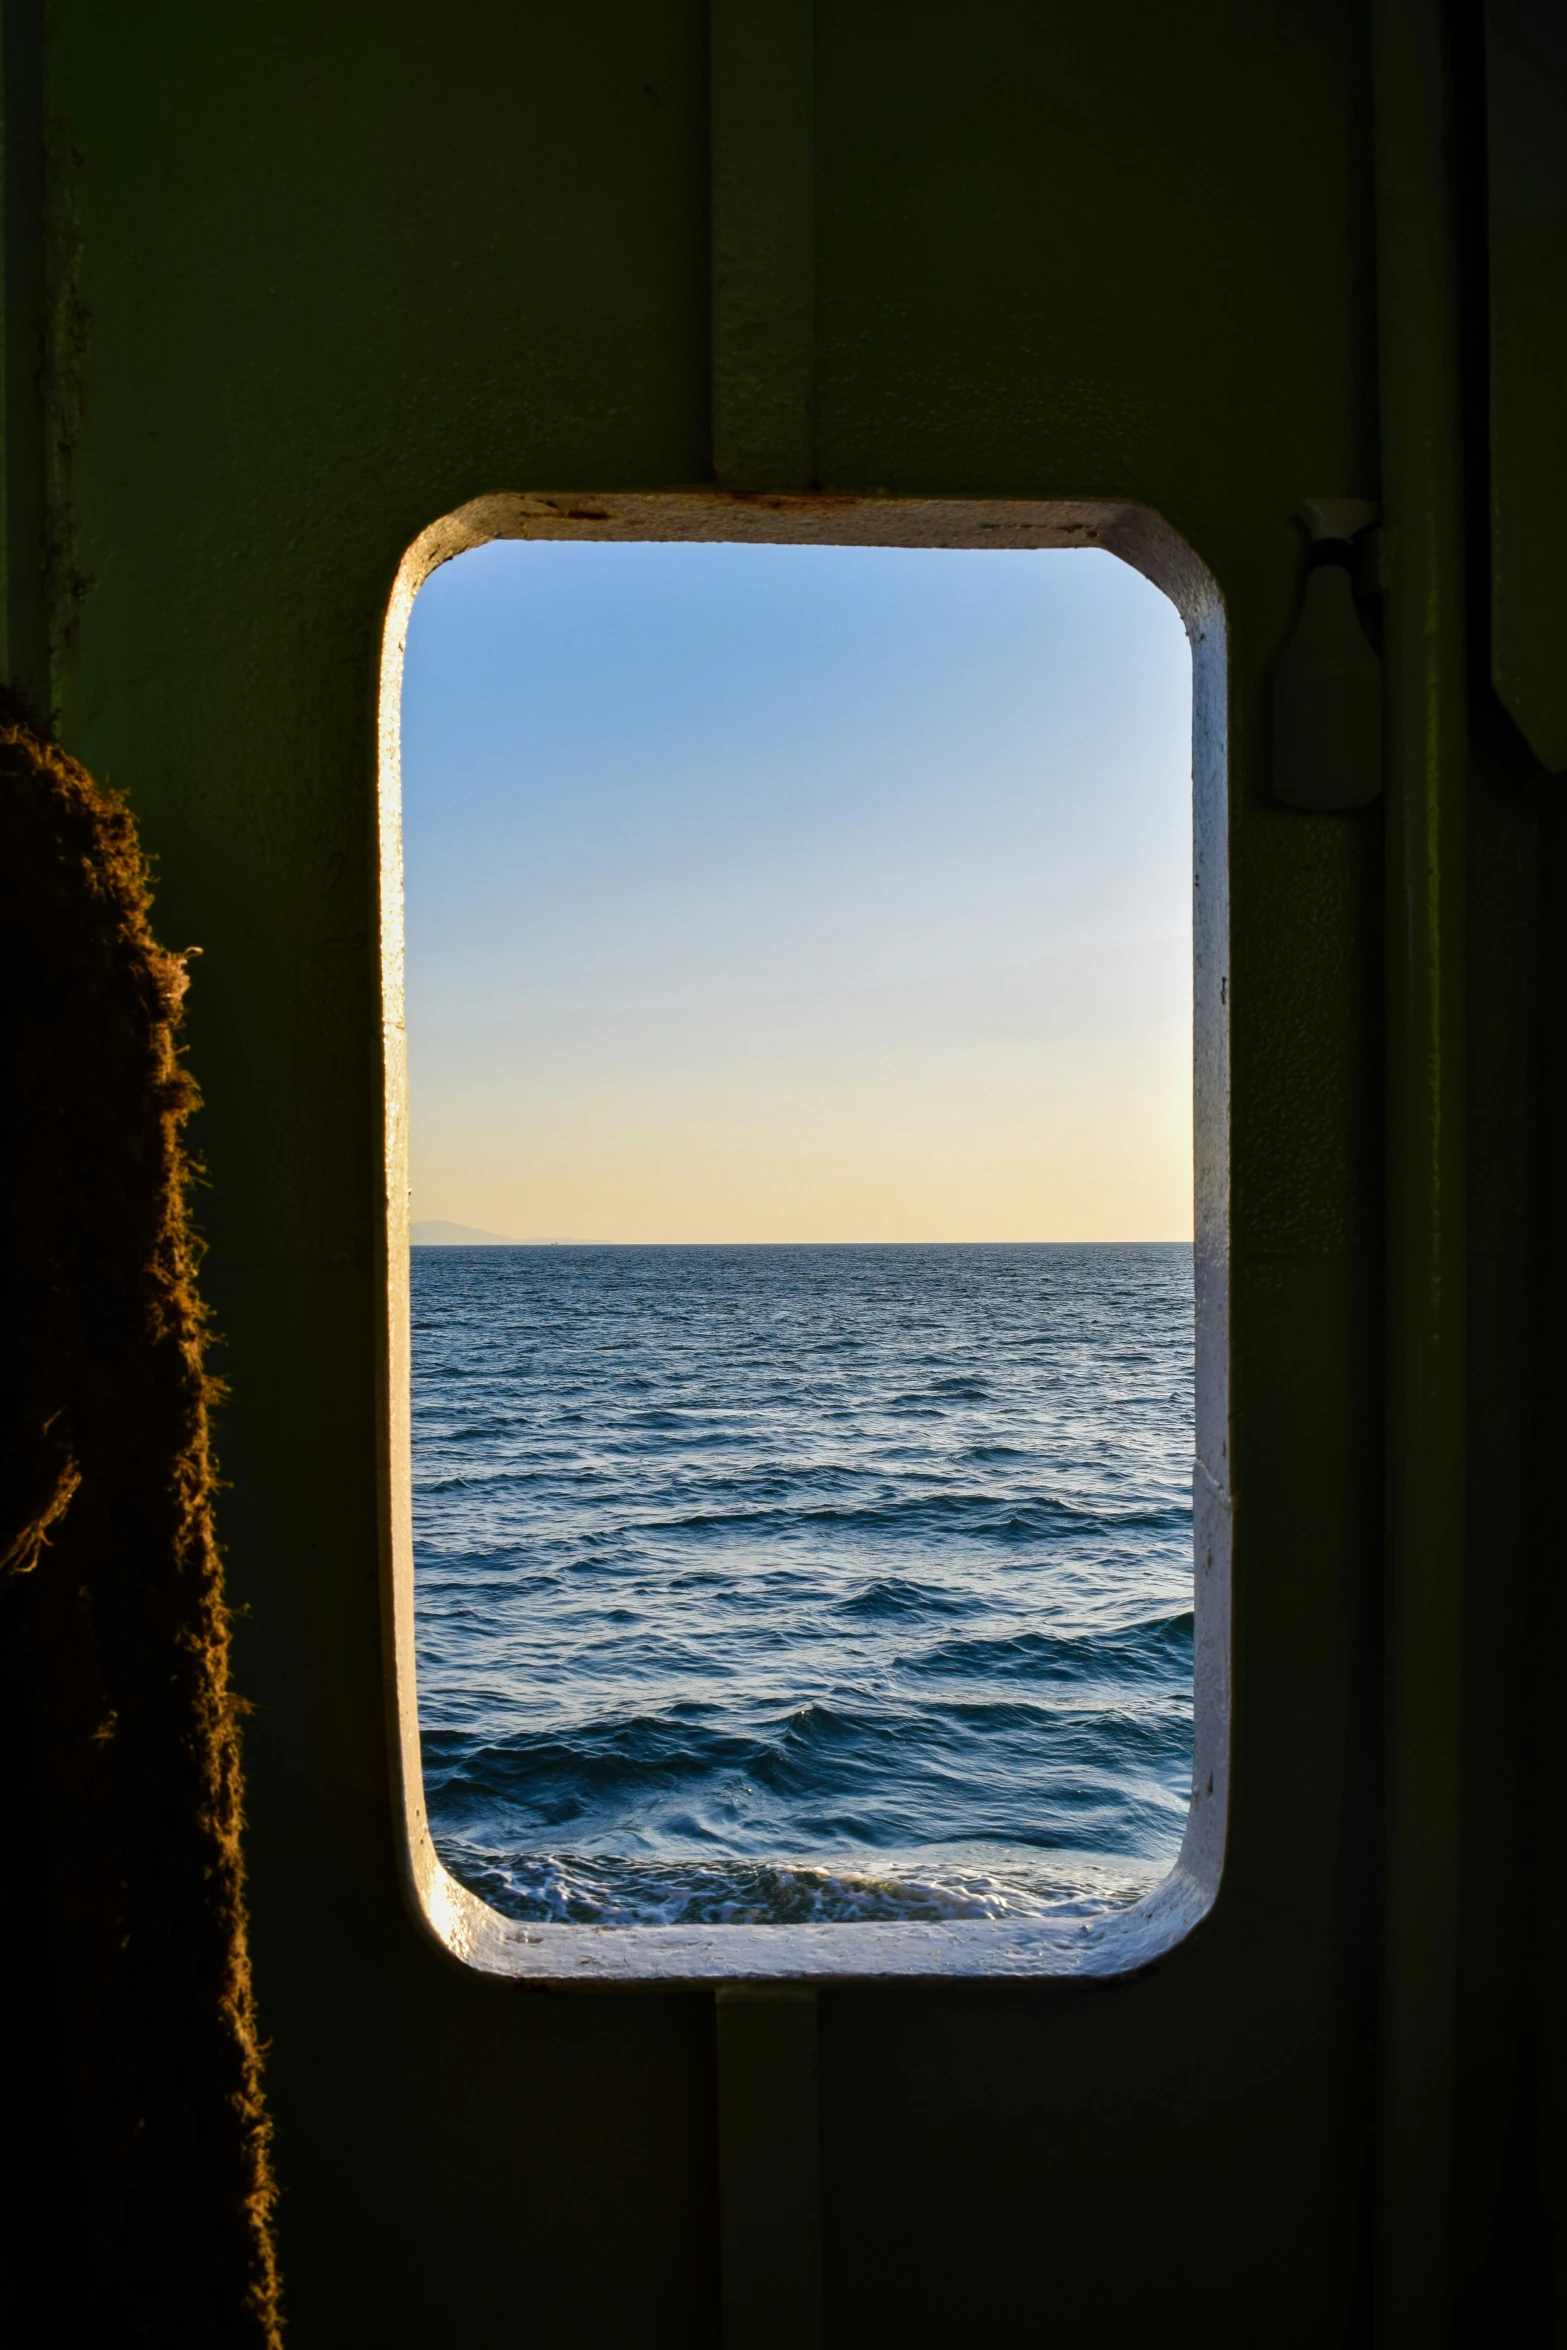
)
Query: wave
[
  {"x": 568, "y": 1888},
  {"x": 875, "y": 1772},
  {"x": 1008, "y": 1519},
  {"x": 1160, "y": 1648},
  {"x": 893, "y": 1597}
]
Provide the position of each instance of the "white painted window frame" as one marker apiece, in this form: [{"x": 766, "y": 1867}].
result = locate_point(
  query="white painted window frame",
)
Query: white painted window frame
[{"x": 464, "y": 1927}]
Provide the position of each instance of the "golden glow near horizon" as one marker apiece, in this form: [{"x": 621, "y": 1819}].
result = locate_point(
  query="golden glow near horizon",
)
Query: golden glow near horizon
[{"x": 753, "y": 902}]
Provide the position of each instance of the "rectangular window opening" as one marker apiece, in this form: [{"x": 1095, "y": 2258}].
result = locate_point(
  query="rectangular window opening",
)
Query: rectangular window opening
[{"x": 795, "y": 1570}]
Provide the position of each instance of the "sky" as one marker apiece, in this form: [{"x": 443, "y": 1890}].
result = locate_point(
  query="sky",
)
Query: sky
[{"x": 798, "y": 894}]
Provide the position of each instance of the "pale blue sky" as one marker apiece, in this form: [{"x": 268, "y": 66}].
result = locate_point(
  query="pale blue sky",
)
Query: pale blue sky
[{"x": 798, "y": 893}]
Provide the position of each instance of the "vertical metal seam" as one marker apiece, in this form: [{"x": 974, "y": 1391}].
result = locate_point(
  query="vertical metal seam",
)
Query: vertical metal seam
[
  {"x": 769, "y": 2166},
  {"x": 761, "y": 83},
  {"x": 1422, "y": 486}
]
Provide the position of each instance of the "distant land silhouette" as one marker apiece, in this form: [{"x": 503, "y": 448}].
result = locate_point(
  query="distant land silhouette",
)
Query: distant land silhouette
[{"x": 436, "y": 1234}]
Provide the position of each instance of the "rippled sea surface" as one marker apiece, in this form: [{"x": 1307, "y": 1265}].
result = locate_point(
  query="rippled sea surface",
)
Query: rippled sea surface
[{"x": 804, "y": 1583}]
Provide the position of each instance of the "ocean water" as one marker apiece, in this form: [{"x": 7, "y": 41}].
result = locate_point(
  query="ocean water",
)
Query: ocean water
[{"x": 804, "y": 1583}]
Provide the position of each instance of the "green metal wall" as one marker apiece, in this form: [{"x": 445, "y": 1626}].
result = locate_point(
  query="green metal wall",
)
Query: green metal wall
[{"x": 305, "y": 278}]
